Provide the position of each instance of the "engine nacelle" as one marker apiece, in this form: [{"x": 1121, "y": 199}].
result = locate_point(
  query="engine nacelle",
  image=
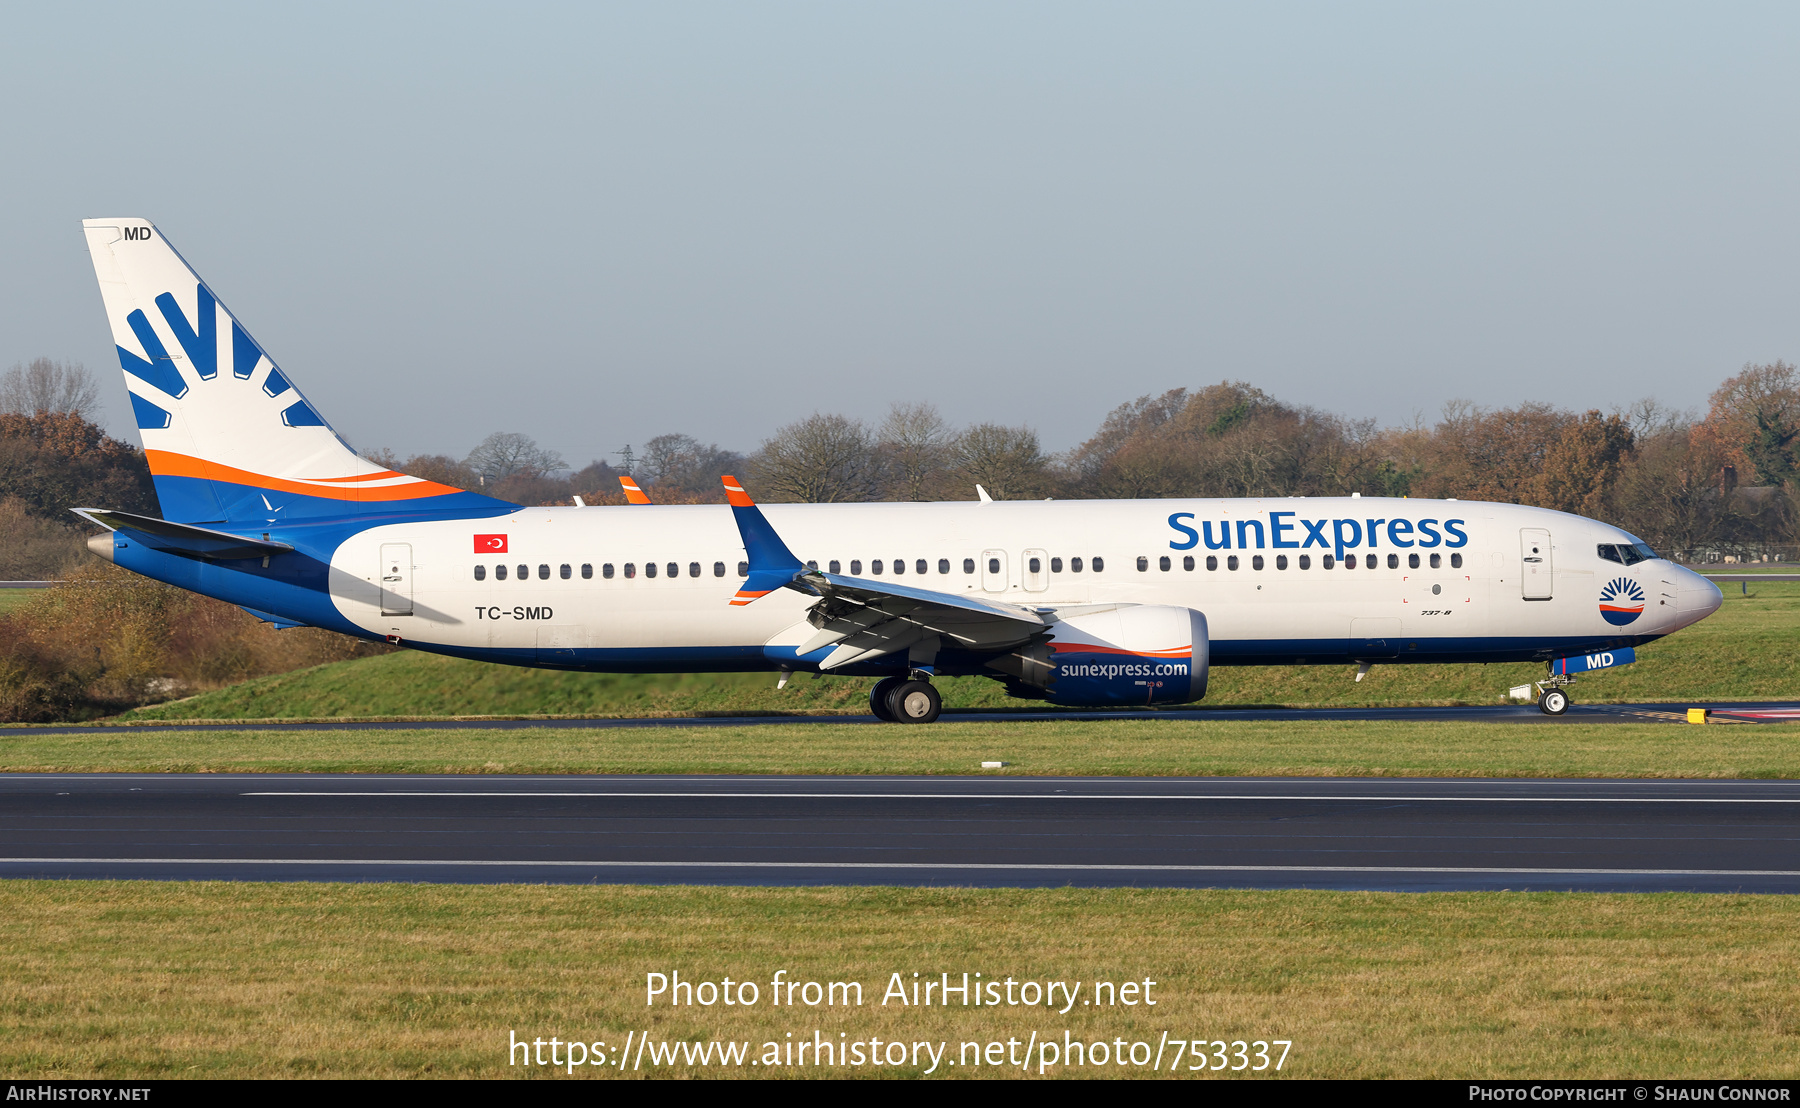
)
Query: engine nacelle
[{"x": 1135, "y": 654}]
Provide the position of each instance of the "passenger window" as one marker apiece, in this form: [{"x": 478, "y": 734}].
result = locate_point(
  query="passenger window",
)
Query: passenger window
[
  {"x": 899, "y": 566},
  {"x": 1056, "y": 565},
  {"x": 1187, "y": 563},
  {"x": 1412, "y": 561},
  {"x": 1306, "y": 561},
  {"x": 1437, "y": 560},
  {"x": 855, "y": 568},
  {"x": 968, "y": 565},
  {"x": 1231, "y": 562},
  {"x": 499, "y": 573},
  {"x": 1325, "y": 561},
  {"x": 1035, "y": 566},
  {"x": 812, "y": 566},
  {"x": 524, "y": 573},
  {"x": 1393, "y": 561},
  {"x": 649, "y": 569},
  {"x": 943, "y": 565},
  {"x": 630, "y": 570},
  {"x": 1456, "y": 561},
  {"x": 993, "y": 565},
  {"x": 875, "y": 567},
  {"x": 543, "y": 573},
  {"x": 1143, "y": 563},
  {"x": 587, "y": 571},
  {"x": 674, "y": 570},
  {"x": 922, "y": 566},
  {"x": 1212, "y": 562},
  {"x": 1164, "y": 564},
  {"x": 1099, "y": 563},
  {"x": 743, "y": 569},
  {"x": 693, "y": 569},
  {"x": 718, "y": 569},
  {"x": 1256, "y": 561},
  {"x": 567, "y": 571},
  {"x": 834, "y": 566},
  {"x": 606, "y": 571},
  {"x": 1074, "y": 565},
  {"x": 481, "y": 573},
  {"x": 1349, "y": 561},
  {"x": 1281, "y": 561}
]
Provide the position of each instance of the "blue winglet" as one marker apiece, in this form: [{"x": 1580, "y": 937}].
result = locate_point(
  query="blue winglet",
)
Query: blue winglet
[{"x": 772, "y": 564}]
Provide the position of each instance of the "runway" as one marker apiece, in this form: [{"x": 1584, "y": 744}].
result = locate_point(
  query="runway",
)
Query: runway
[
  {"x": 1786, "y": 711},
  {"x": 1399, "y": 834}
]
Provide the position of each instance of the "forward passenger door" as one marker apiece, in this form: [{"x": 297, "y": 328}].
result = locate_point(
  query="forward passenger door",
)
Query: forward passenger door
[{"x": 1538, "y": 573}]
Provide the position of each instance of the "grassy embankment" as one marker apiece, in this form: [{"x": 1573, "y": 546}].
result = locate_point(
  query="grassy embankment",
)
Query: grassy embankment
[
  {"x": 147, "y": 979},
  {"x": 1750, "y": 649},
  {"x": 1062, "y": 747}
]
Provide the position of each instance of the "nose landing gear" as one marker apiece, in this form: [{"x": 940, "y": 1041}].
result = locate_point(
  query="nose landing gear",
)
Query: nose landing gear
[
  {"x": 1553, "y": 700},
  {"x": 910, "y": 699}
]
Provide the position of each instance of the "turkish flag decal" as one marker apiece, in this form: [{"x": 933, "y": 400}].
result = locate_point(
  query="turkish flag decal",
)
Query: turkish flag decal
[{"x": 490, "y": 544}]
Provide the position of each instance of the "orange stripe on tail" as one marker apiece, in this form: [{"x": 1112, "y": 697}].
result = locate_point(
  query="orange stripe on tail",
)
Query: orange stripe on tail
[{"x": 165, "y": 463}]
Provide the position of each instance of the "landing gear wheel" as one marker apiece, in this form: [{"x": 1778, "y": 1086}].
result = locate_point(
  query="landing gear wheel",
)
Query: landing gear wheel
[
  {"x": 914, "y": 702},
  {"x": 1554, "y": 702},
  {"x": 878, "y": 698}
]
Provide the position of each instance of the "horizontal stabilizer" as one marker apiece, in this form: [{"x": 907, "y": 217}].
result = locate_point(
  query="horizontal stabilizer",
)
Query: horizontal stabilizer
[{"x": 182, "y": 538}]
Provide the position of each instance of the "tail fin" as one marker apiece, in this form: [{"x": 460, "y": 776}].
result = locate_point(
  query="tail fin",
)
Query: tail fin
[
  {"x": 633, "y": 494},
  {"x": 228, "y": 436}
]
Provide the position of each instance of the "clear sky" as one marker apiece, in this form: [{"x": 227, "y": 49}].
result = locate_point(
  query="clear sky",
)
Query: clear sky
[{"x": 597, "y": 223}]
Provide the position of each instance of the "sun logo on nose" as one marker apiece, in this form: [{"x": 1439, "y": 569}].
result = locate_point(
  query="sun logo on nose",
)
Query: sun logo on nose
[{"x": 1621, "y": 601}]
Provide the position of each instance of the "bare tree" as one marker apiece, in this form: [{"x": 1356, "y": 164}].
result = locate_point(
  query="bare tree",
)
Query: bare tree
[
  {"x": 684, "y": 462},
  {"x": 1006, "y": 461},
  {"x": 49, "y": 387},
  {"x": 510, "y": 454},
  {"x": 915, "y": 445},
  {"x": 822, "y": 459}
]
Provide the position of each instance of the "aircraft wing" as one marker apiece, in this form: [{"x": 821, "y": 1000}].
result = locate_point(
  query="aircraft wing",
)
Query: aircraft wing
[
  {"x": 864, "y": 618},
  {"x": 868, "y": 618}
]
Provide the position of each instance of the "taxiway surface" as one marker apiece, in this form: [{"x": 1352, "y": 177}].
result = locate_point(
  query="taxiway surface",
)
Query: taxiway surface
[
  {"x": 1784, "y": 711},
  {"x": 1404, "y": 834}
]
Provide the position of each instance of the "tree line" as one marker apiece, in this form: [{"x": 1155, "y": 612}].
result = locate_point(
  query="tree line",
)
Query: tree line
[{"x": 1695, "y": 486}]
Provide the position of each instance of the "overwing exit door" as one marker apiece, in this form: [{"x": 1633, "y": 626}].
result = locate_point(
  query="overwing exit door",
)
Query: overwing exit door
[
  {"x": 993, "y": 570},
  {"x": 396, "y": 579},
  {"x": 1538, "y": 574}
]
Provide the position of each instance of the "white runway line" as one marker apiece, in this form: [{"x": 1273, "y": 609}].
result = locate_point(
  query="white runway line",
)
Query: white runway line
[
  {"x": 1001, "y": 866},
  {"x": 1062, "y": 796}
]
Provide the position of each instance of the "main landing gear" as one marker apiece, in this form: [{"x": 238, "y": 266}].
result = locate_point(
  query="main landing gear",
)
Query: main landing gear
[{"x": 910, "y": 699}]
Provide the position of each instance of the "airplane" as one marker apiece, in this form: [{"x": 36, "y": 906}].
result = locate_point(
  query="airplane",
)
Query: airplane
[{"x": 1079, "y": 602}]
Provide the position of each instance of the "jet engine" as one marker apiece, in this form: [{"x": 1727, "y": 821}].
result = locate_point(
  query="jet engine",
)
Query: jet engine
[{"x": 1131, "y": 654}]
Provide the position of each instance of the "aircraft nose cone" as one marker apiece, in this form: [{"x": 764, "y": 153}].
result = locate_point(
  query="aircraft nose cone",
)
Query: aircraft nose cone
[{"x": 1696, "y": 597}]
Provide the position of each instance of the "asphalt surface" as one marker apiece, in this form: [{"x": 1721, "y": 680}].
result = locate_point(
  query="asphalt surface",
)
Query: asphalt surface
[
  {"x": 1401, "y": 834},
  {"x": 1760, "y": 712}
]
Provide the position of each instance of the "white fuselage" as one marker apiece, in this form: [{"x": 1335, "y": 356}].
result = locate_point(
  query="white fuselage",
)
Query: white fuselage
[{"x": 1481, "y": 599}]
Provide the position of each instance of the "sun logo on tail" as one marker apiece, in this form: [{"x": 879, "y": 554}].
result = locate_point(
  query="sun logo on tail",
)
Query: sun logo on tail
[{"x": 1621, "y": 601}]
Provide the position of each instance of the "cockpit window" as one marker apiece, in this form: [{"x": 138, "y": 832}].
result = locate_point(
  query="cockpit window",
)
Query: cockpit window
[
  {"x": 1644, "y": 553},
  {"x": 1610, "y": 553}
]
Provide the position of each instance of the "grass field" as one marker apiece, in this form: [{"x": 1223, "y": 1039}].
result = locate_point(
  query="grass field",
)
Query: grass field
[
  {"x": 1150, "y": 746},
  {"x": 1750, "y": 649},
  {"x": 11, "y": 599},
  {"x": 154, "y": 979}
]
